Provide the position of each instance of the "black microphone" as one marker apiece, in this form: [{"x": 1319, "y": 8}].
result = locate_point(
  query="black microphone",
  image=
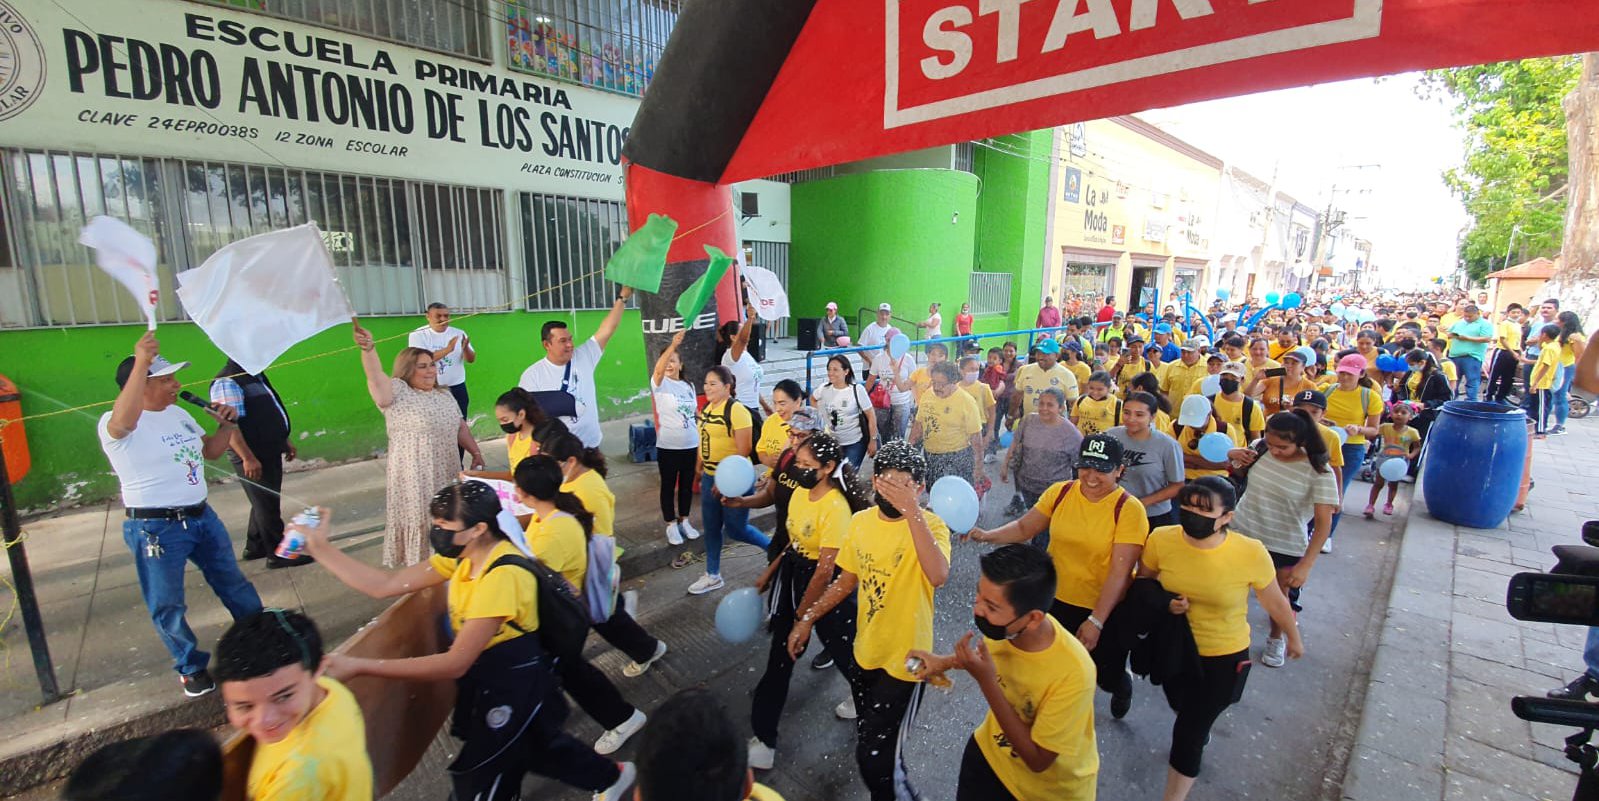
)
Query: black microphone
[{"x": 190, "y": 397}]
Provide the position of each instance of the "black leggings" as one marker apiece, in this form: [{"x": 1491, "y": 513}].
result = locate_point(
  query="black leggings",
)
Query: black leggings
[
  {"x": 887, "y": 708},
  {"x": 836, "y": 630},
  {"x": 677, "y": 481},
  {"x": 1501, "y": 376},
  {"x": 594, "y": 693},
  {"x": 1198, "y": 702},
  {"x": 1110, "y": 655},
  {"x": 623, "y": 632},
  {"x": 978, "y": 782}
]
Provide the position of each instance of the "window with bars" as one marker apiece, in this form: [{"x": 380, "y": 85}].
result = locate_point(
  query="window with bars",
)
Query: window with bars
[
  {"x": 606, "y": 44},
  {"x": 397, "y": 245},
  {"x": 989, "y": 293},
  {"x": 566, "y": 242},
  {"x": 458, "y": 27}
]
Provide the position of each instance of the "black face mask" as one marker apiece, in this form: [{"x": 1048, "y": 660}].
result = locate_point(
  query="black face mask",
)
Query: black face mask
[
  {"x": 993, "y": 631},
  {"x": 510, "y": 428},
  {"x": 1229, "y": 386},
  {"x": 806, "y": 477},
  {"x": 443, "y": 542},
  {"x": 888, "y": 509},
  {"x": 1195, "y": 524}
]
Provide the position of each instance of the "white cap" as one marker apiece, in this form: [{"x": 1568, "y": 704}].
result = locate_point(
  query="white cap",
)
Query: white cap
[
  {"x": 831, "y": 306},
  {"x": 1235, "y": 369},
  {"x": 159, "y": 366},
  {"x": 1195, "y": 409},
  {"x": 884, "y": 307}
]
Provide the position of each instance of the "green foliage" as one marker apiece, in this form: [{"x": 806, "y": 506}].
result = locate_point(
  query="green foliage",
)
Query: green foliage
[{"x": 1515, "y": 168}]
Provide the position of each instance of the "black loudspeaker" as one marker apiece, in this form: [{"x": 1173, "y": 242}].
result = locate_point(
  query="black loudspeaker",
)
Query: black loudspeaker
[
  {"x": 807, "y": 332},
  {"x": 758, "y": 340}
]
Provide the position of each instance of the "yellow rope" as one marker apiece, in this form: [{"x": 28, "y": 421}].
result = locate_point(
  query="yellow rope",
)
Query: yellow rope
[{"x": 502, "y": 307}]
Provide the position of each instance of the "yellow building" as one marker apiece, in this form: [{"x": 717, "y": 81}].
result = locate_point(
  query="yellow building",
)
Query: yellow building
[{"x": 1131, "y": 215}]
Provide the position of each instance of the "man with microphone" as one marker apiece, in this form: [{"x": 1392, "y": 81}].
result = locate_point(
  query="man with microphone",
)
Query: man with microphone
[{"x": 158, "y": 452}]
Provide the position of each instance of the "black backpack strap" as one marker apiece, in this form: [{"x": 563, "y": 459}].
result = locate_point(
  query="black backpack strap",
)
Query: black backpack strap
[
  {"x": 1249, "y": 414},
  {"x": 522, "y": 562}
]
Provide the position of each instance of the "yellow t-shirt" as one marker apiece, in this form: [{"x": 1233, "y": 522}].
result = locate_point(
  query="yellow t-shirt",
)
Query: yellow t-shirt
[
  {"x": 1081, "y": 534},
  {"x": 1543, "y": 373},
  {"x": 517, "y": 448},
  {"x": 1232, "y": 412},
  {"x": 716, "y": 443},
  {"x": 948, "y": 424},
  {"x": 1447, "y": 322},
  {"x": 510, "y": 593},
  {"x": 1131, "y": 370},
  {"x": 760, "y": 792},
  {"x": 1031, "y": 380},
  {"x": 1335, "y": 446},
  {"x": 1450, "y": 371},
  {"x": 1189, "y": 440},
  {"x": 1508, "y": 335},
  {"x": 1396, "y": 441},
  {"x": 1053, "y": 692},
  {"x": 921, "y": 381},
  {"x": 1276, "y": 349},
  {"x": 1216, "y": 582},
  {"x": 1081, "y": 371},
  {"x": 1344, "y": 408},
  {"x": 1180, "y": 380},
  {"x": 983, "y": 394},
  {"x": 558, "y": 542},
  {"x": 1251, "y": 369},
  {"x": 596, "y": 495},
  {"x": 1278, "y": 393},
  {"x": 1097, "y": 416},
  {"x": 1568, "y": 355},
  {"x": 322, "y": 759},
  {"x": 1163, "y": 423},
  {"x": 774, "y": 437},
  {"x": 895, "y": 612},
  {"x": 814, "y": 525}
]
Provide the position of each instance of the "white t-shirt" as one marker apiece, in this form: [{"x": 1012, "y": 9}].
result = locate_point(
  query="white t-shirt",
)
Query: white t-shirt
[
  {"x": 160, "y": 464},
  {"x": 675, "y": 407},
  {"x": 543, "y": 376},
  {"x": 937, "y": 329},
  {"x": 748, "y": 374},
  {"x": 884, "y": 368},
  {"x": 874, "y": 334},
  {"x": 841, "y": 410},
  {"x": 452, "y": 368}
]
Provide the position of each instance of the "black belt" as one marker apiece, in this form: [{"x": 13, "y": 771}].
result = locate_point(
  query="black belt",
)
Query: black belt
[{"x": 167, "y": 512}]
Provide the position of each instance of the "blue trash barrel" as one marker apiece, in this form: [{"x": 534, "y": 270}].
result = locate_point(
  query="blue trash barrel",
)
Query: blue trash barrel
[{"x": 1472, "y": 469}]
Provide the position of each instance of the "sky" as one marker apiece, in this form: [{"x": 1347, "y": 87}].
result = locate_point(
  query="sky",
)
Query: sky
[{"x": 1319, "y": 137}]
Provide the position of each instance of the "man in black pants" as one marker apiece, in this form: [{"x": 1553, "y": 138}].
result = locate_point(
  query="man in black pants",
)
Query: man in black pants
[{"x": 258, "y": 449}]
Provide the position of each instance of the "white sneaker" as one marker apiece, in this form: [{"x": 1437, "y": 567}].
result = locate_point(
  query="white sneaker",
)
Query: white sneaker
[
  {"x": 762, "y": 756},
  {"x": 674, "y": 535},
  {"x": 618, "y": 791},
  {"x": 1326, "y": 547},
  {"x": 704, "y": 584},
  {"x": 610, "y": 741},
  {"x": 688, "y": 530},
  {"x": 846, "y": 709},
  {"x": 633, "y": 670},
  {"x": 1275, "y": 652}
]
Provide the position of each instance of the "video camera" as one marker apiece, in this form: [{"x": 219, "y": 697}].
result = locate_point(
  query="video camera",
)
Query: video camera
[{"x": 1567, "y": 594}]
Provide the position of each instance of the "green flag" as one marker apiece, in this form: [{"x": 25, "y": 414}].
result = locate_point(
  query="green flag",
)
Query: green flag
[
  {"x": 693, "y": 299},
  {"x": 642, "y": 258}
]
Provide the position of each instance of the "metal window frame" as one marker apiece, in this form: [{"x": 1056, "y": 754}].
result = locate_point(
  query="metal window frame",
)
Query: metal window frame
[
  {"x": 989, "y": 293},
  {"x": 640, "y": 27},
  {"x": 559, "y": 249},
  {"x": 476, "y": 43}
]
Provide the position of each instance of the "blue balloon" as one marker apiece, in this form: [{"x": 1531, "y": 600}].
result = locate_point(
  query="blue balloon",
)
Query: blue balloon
[
  {"x": 1005, "y": 438},
  {"x": 1393, "y": 468},
  {"x": 955, "y": 502},
  {"x": 1210, "y": 386},
  {"x": 1224, "y": 293},
  {"x": 735, "y": 476},
  {"x": 1272, "y": 298},
  {"x": 899, "y": 346},
  {"x": 1337, "y": 309},
  {"x": 1214, "y": 446},
  {"x": 1292, "y": 300},
  {"x": 738, "y": 616}
]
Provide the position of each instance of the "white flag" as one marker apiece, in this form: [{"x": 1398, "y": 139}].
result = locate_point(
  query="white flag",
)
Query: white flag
[
  {"x": 129, "y": 257},
  {"x": 258, "y": 297},
  {"x": 766, "y": 292}
]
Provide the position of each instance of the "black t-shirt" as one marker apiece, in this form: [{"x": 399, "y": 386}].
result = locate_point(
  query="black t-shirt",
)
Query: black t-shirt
[{"x": 781, "y": 494}]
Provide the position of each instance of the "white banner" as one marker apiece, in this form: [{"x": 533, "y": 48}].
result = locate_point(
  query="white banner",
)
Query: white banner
[
  {"x": 129, "y": 257},
  {"x": 766, "y": 292}
]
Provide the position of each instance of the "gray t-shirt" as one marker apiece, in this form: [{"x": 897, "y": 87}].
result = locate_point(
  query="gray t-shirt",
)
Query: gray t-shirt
[
  {"x": 1043, "y": 455},
  {"x": 1152, "y": 464}
]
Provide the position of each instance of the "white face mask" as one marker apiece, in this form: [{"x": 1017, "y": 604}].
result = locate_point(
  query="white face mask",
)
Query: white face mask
[{"x": 971, "y": 376}]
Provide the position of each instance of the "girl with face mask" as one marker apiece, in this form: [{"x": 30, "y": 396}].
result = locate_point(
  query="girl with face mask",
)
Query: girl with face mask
[
  {"x": 508, "y": 697},
  {"x": 1212, "y": 571},
  {"x": 519, "y": 416},
  {"x": 818, "y": 515}
]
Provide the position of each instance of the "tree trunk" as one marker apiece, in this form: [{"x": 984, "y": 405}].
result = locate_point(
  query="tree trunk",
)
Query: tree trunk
[{"x": 1581, "y": 250}]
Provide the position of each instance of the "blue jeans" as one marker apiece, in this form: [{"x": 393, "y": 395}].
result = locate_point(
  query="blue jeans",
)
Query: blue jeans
[
  {"x": 856, "y": 454},
  {"x": 721, "y": 524},
  {"x": 1470, "y": 369},
  {"x": 1354, "y": 455},
  {"x": 1590, "y": 652},
  {"x": 205, "y": 542},
  {"x": 1561, "y": 402}
]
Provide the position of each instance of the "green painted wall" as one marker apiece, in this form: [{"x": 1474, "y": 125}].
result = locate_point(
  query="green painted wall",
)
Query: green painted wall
[
  {"x": 334, "y": 419},
  {"x": 902, "y": 236},
  {"x": 1012, "y": 218}
]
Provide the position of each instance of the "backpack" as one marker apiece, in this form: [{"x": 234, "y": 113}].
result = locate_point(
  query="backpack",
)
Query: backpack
[
  {"x": 1115, "y": 515},
  {"x": 602, "y": 579},
  {"x": 563, "y": 620}
]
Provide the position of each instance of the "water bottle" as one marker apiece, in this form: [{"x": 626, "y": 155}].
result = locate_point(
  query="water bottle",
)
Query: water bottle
[{"x": 293, "y": 544}]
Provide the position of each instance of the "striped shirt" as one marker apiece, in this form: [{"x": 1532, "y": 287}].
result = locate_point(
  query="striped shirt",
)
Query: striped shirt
[{"x": 1281, "y": 501}]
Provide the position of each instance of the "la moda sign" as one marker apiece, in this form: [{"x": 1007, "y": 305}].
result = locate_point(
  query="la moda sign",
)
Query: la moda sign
[{"x": 948, "y": 58}]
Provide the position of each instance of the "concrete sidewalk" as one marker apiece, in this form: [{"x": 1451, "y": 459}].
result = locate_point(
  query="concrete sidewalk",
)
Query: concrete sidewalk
[
  {"x": 1437, "y": 721},
  {"x": 107, "y": 654}
]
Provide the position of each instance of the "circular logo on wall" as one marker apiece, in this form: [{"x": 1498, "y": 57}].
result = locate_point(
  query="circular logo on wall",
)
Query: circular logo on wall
[{"x": 22, "y": 64}]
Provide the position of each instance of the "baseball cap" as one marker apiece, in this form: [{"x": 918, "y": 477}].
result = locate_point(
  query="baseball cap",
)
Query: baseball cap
[
  {"x": 1303, "y": 354},
  {"x": 1047, "y": 345},
  {"x": 831, "y": 306},
  {"x": 1101, "y": 453},
  {"x": 884, "y": 307},
  {"x": 1152, "y": 348},
  {"x": 1163, "y": 328},
  {"x": 1216, "y": 356},
  {"x": 1353, "y": 363},
  {"x": 1234, "y": 368},
  {"x": 1311, "y": 397},
  {"x": 1195, "y": 409},
  {"x": 805, "y": 419},
  {"x": 1201, "y": 341},
  {"x": 159, "y": 366}
]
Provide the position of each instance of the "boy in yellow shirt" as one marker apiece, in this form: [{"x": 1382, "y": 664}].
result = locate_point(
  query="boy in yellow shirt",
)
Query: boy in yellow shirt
[
  {"x": 310, "y": 739},
  {"x": 1542, "y": 380},
  {"x": 1097, "y": 411},
  {"x": 1037, "y": 740},
  {"x": 896, "y": 554},
  {"x": 922, "y": 377}
]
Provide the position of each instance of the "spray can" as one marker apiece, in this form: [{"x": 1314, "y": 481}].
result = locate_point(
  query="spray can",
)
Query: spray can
[{"x": 293, "y": 544}]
